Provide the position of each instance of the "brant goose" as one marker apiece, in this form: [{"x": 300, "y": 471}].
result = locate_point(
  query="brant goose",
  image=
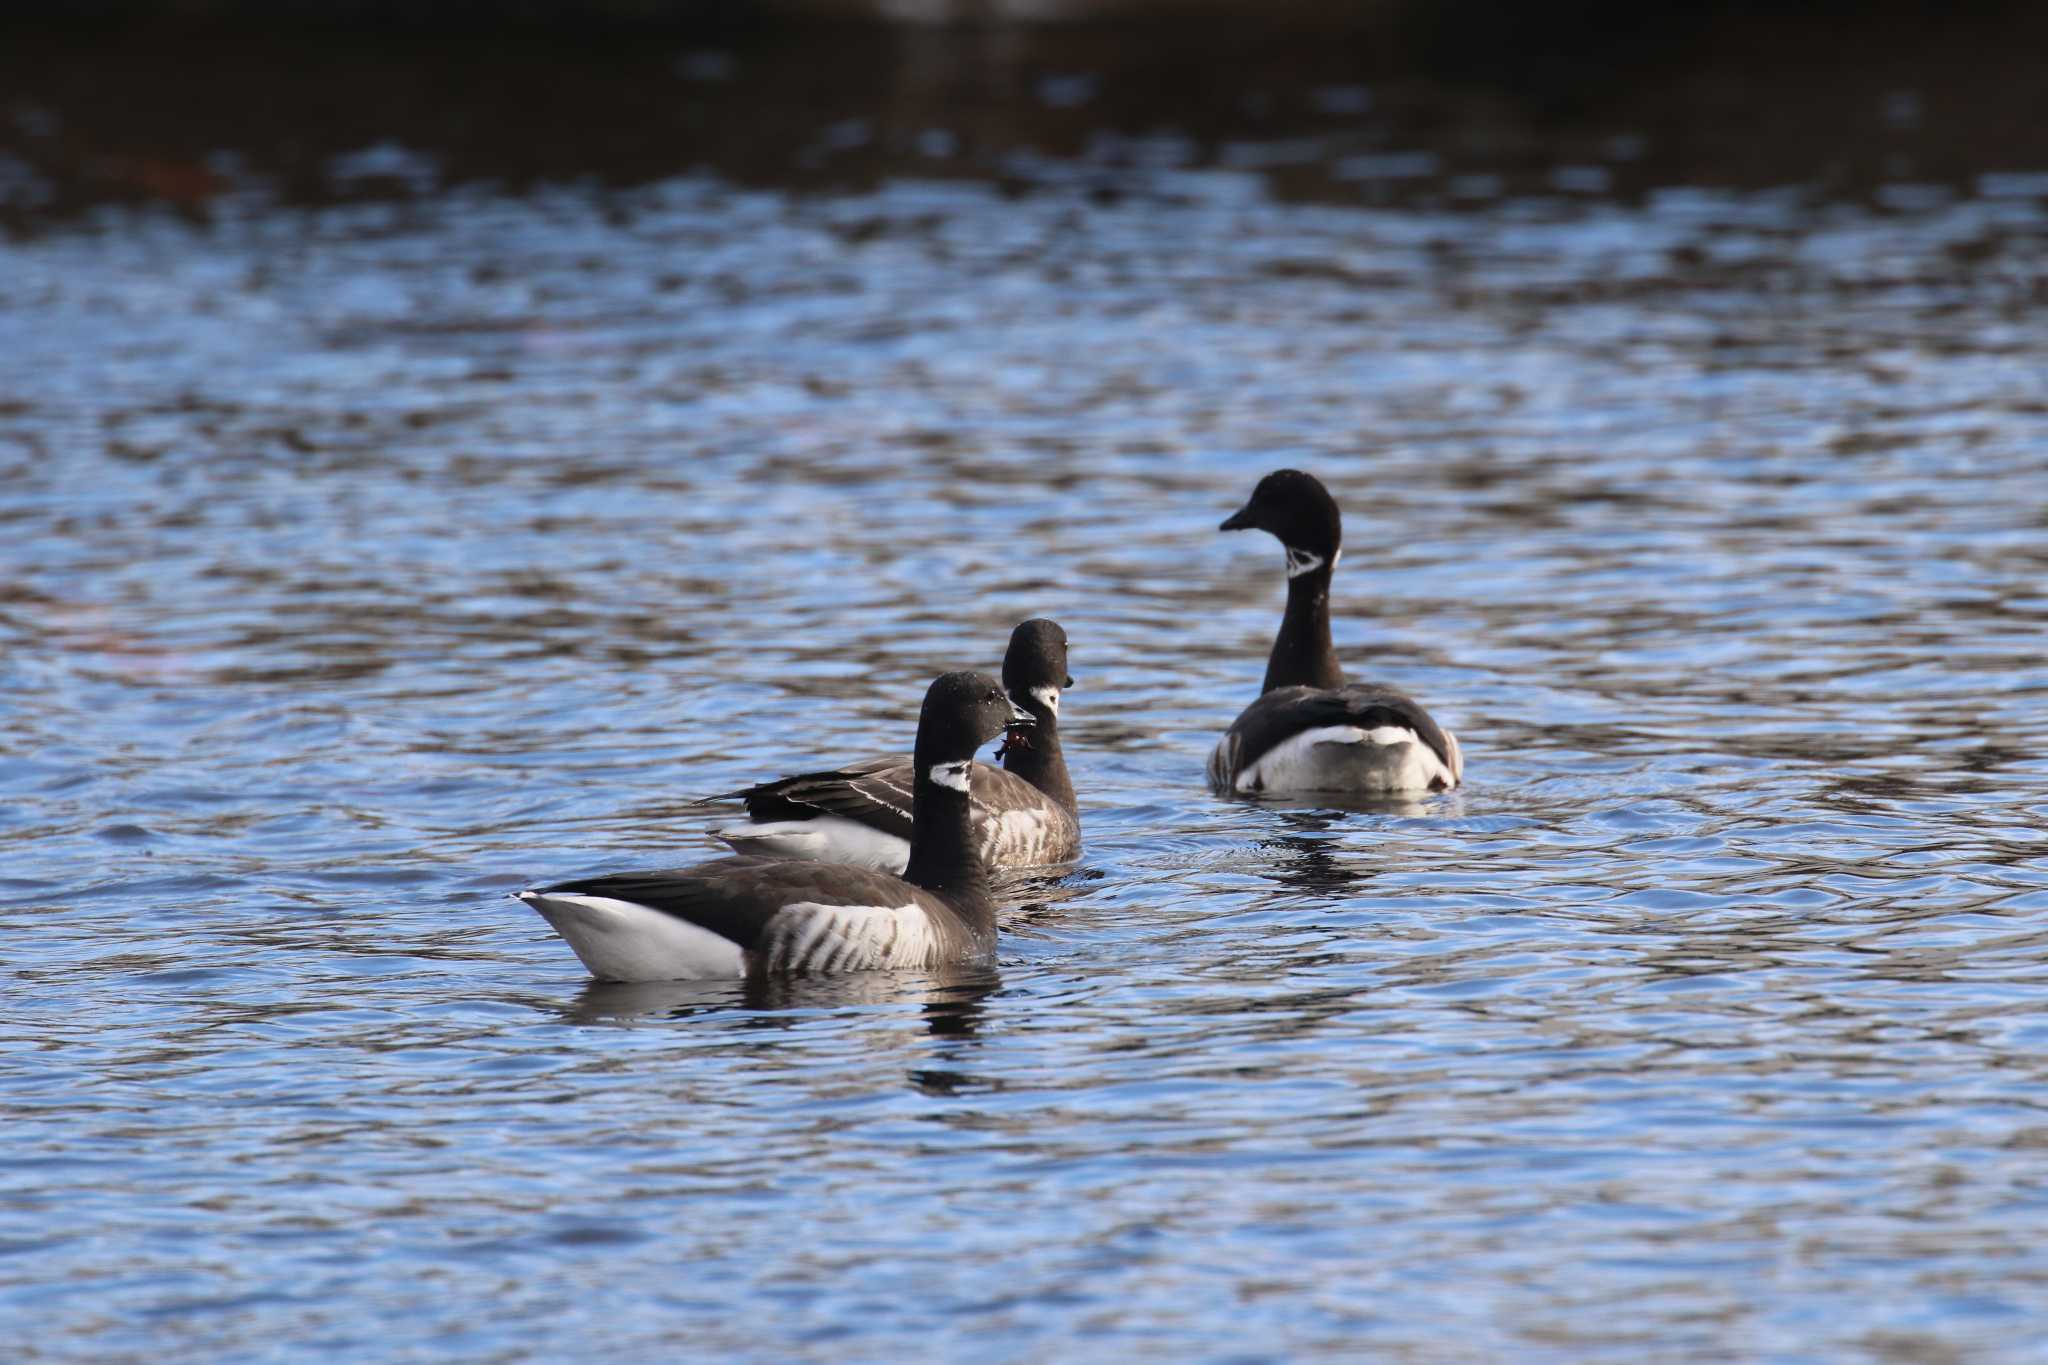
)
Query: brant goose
[
  {"x": 1024, "y": 813},
  {"x": 1310, "y": 731},
  {"x": 739, "y": 917}
]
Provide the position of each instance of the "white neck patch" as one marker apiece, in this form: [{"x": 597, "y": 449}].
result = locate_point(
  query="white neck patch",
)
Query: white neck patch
[
  {"x": 952, "y": 775},
  {"x": 1048, "y": 697},
  {"x": 1300, "y": 562}
]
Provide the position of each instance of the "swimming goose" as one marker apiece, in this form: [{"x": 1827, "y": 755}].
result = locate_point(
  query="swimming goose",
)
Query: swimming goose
[
  {"x": 1310, "y": 731},
  {"x": 1024, "y": 811},
  {"x": 738, "y": 917}
]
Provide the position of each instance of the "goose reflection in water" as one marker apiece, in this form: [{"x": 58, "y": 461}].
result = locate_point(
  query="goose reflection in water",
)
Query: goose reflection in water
[
  {"x": 1325, "y": 807},
  {"x": 1036, "y": 899},
  {"x": 952, "y": 999},
  {"x": 1316, "y": 856}
]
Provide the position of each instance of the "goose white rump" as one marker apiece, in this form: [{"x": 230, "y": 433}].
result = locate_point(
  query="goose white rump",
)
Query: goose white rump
[
  {"x": 1381, "y": 759},
  {"x": 621, "y": 941},
  {"x": 822, "y": 838}
]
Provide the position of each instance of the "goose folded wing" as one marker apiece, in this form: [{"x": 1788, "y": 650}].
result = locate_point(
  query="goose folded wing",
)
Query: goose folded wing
[
  {"x": 738, "y": 898},
  {"x": 1288, "y": 711},
  {"x": 876, "y": 792},
  {"x": 996, "y": 790}
]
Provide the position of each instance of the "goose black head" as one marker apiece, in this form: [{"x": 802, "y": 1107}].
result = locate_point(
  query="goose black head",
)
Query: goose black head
[
  {"x": 1299, "y": 511},
  {"x": 962, "y": 712},
  {"x": 1035, "y": 669}
]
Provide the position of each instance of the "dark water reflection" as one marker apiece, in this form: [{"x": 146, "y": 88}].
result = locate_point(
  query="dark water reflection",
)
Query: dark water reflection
[
  {"x": 371, "y": 552},
  {"x": 950, "y": 1003},
  {"x": 1464, "y": 104}
]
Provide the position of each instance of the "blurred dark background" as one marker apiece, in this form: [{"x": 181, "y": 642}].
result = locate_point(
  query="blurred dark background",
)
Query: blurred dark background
[{"x": 192, "y": 103}]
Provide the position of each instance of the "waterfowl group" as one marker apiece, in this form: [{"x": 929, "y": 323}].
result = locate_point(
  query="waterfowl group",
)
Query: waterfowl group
[
  {"x": 885, "y": 863},
  {"x": 738, "y": 917}
]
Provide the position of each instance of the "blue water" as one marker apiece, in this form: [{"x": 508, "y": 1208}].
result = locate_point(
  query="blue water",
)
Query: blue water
[{"x": 364, "y": 563}]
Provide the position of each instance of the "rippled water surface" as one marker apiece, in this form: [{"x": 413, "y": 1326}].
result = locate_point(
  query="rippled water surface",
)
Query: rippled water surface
[{"x": 366, "y": 561}]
